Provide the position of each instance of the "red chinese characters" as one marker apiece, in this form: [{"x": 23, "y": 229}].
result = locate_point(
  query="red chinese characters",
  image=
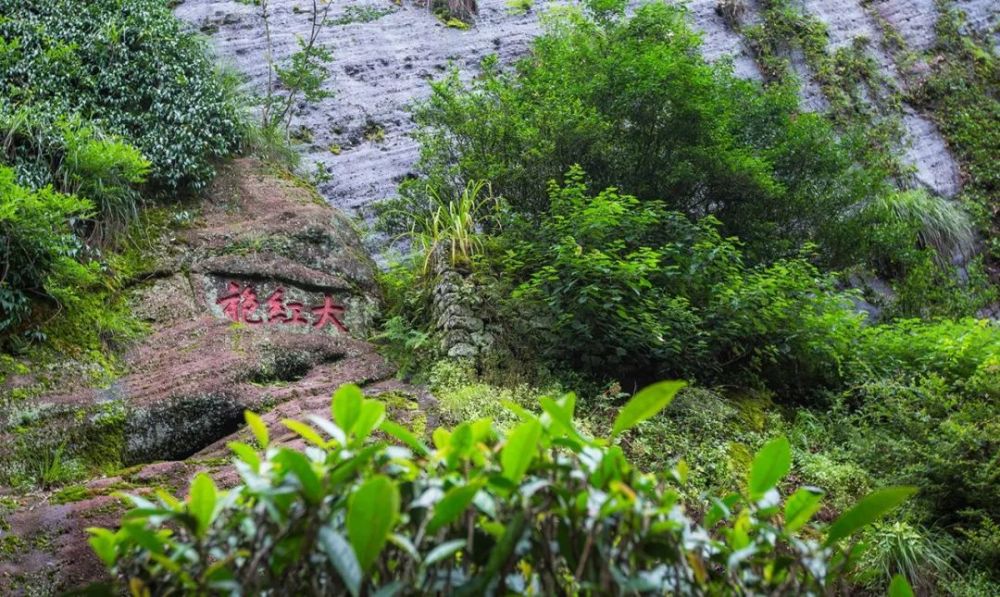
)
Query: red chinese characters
[
  {"x": 327, "y": 314},
  {"x": 240, "y": 304}
]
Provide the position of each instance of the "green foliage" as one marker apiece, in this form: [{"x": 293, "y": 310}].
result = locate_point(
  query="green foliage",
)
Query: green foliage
[
  {"x": 448, "y": 231},
  {"x": 129, "y": 70},
  {"x": 900, "y": 548},
  {"x": 919, "y": 407},
  {"x": 963, "y": 94},
  {"x": 941, "y": 224},
  {"x": 632, "y": 102},
  {"x": 362, "y": 13},
  {"x": 769, "y": 467},
  {"x": 76, "y": 159},
  {"x": 650, "y": 401},
  {"x": 300, "y": 78},
  {"x": 611, "y": 281},
  {"x": 543, "y": 509},
  {"x": 37, "y": 257},
  {"x": 104, "y": 105}
]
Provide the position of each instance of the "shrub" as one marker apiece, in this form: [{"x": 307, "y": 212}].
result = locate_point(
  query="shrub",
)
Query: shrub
[
  {"x": 616, "y": 286},
  {"x": 543, "y": 509},
  {"x": 129, "y": 70},
  {"x": 38, "y": 252},
  {"x": 77, "y": 159},
  {"x": 632, "y": 102},
  {"x": 901, "y": 548}
]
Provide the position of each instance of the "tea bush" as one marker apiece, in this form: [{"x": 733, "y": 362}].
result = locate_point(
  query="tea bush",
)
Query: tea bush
[
  {"x": 541, "y": 509},
  {"x": 128, "y": 69},
  {"x": 112, "y": 103},
  {"x": 77, "y": 159}
]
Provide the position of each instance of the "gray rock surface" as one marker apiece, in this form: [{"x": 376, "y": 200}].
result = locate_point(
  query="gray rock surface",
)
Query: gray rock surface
[
  {"x": 360, "y": 137},
  {"x": 380, "y": 68}
]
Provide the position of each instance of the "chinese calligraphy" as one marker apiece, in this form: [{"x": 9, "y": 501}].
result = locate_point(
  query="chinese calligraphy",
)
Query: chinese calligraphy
[{"x": 240, "y": 304}]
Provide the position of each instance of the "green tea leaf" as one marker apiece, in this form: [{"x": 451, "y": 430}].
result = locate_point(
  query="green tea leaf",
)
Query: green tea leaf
[
  {"x": 201, "y": 501},
  {"x": 562, "y": 418},
  {"x": 371, "y": 514},
  {"x": 443, "y": 551},
  {"x": 769, "y": 466},
  {"x": 404, "y": 435},
  {"x": 645, "y": 404},
  {"x": 346, "y": 406},
  {"x": 519, "y": 451},
  {"x": 298, "y": 465},
  {"x": 258, "y": 428},
  {"x": 372, "y": 413},
  {"x": 801, "y": 506},
  {"x": 105, "y": 545},
  {"x": 461, "y": 440},
  {"x": 452, "y": 505},
  {"x": 899, "y": 587},
  {"x": 245, "y": 453},
  {"x": 868, "y": 510},
  {"x": 305, "y": 431},
  {"x": 342, "y": 557}
]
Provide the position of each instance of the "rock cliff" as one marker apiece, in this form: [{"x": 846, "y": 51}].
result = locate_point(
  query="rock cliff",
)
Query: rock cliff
[{"x": 359, "y": 137}]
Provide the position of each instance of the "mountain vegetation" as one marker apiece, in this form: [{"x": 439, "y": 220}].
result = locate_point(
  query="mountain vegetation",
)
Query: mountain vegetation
[{"x": 610, "y": 212}]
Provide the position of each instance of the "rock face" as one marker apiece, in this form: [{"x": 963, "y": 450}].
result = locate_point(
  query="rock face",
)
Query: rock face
[
  {"x": 360, "y": 137},
  {"x": 262, "y": 303}
]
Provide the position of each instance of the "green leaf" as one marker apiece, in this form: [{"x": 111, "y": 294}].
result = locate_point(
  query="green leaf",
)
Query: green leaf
[
  {"x": 681, "y": 471},
  {"x": 452, "y": 505},
  {"x": 441, "y": 437},
  {"x": 201, "y": 501},
  {"x": 258, "y": 428},
  {"x": 461, "y": 441},
  {"x": 169, "y": 500},
  {"x": 148, "y": 540},
  {"x": 330, "y": 428},
  {"x": 105, "y": 545},
  {"x": 305, "y": 431},
  {"x": 769, "y": 466},
  {"x": 298, "y": 465},
  {"x": 404, "y": 435},
  {"x": 801, "y": 506},
  {"x": 371, "y": 514},
  {"x": 868, "y": 510},
  {"x": 406, "y": 545},
  {"x": 443, "y": 551},
  {"x": 519, "y": 451},
  {"x": 346, "y": 406},
  {"x": 372, "y": 413},
  {"x": 899, "y": 587},
  {"x": 245, "y": 453},
  {"x": 340, "y": 554},
  {"x": 562, "y": 418},
  {"x": 645, "y": 404}
]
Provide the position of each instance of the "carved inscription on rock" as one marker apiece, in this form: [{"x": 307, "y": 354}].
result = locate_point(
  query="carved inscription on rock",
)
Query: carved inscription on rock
[{"x": 262, "y": 304}]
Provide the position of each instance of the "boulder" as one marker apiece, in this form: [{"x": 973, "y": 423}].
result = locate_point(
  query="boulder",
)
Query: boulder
[{"x": 264, "y": 302}]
